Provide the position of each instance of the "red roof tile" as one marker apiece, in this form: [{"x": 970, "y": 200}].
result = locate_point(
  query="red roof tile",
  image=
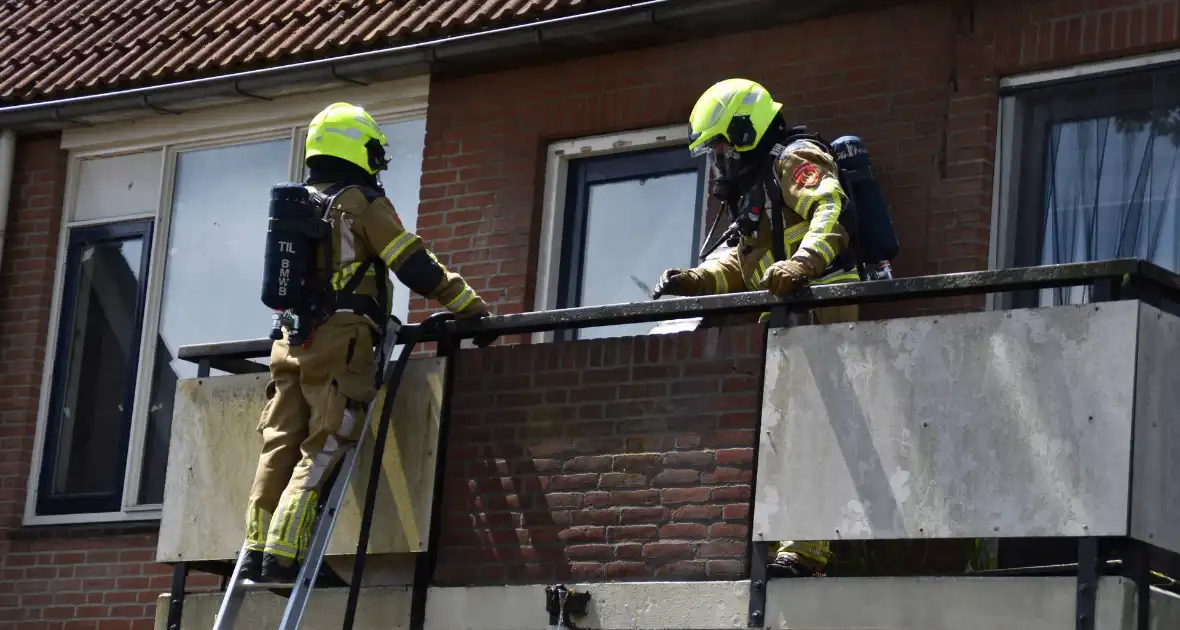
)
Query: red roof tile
[{"x": 57, "y": 48}]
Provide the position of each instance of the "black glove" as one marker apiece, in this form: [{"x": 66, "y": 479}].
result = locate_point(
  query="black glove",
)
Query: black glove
[
  {"x": 677, "y": 282},
  {"x": 484, "y": 339}
]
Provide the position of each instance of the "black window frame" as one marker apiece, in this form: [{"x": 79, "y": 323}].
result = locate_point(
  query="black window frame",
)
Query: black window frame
[
  {"x": 615, "y": 167},
  {"x": 47, "y": 504},
  {"x": 1037, "y": 110}
]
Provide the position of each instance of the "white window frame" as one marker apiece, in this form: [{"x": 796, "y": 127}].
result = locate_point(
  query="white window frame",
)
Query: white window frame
[
  {"x": 557, "y": 161},
  {"x": 387, "y": 102},
  {"x": 1006, "y": 172}
]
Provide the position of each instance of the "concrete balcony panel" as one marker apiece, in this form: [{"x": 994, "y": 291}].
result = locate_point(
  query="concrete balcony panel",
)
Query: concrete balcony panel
[
  {"x": 903, "y": 603},
  {"x": 995, "y": 424},
  {"x": 214, "y": 450},
  {"x": 378, "y": 608},
  {"x": 958, "y": 603}
]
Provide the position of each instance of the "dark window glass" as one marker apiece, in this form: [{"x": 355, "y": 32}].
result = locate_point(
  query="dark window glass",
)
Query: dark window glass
[
  {"x": 1099, "y": 175},
  {"x": 628, "y": 218},
  {"x": 94, "y": 371}
]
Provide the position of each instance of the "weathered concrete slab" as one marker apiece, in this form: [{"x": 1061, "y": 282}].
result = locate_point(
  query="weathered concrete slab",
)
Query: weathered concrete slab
[
  {"x": 386, "y": 608},
  {"x": 214, "y": 452},
  {"x": 679, "y": 605},
  {"x": 1155, "y": 513},
  {"x": 956, "y": 603},
  {"x": 993, "y": 424},
  {"x": 903, "y": 603}
]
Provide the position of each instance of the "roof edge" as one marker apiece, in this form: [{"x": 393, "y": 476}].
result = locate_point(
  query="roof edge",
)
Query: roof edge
[{"x": 676, "y": 19}]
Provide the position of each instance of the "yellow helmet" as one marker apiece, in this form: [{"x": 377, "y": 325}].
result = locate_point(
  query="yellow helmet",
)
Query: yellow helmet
[
  {"x": 736, "y": 110},
  {"x": 347, "y": 132}
]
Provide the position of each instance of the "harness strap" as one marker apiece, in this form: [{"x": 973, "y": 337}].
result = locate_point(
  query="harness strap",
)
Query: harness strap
[{"x": 327, "y": 300}]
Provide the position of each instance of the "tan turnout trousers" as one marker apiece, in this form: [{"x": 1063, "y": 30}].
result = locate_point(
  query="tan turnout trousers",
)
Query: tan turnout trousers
[{"x": 316, "y": 403}]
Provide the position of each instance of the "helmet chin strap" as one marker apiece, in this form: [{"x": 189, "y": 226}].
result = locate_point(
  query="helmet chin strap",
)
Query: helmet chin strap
[{"x": 378, "y": 161}]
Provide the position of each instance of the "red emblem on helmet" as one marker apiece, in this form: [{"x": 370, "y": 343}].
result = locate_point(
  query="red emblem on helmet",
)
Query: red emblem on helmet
[{"x": 806, "y": 175}]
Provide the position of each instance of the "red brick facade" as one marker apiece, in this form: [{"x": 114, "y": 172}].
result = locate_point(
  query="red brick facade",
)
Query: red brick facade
[
  {"x": 602, "y": 459},
  {"x": 53, "y": 577},
  {"x": 653, "y": 479}
]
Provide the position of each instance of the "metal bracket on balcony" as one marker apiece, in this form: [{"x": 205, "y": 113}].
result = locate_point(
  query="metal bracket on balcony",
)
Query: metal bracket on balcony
[
  {"x": 1137, "y": 557},
  {"x": 759, "y": 558},
  {"x": 176, "y": 595},
  {"x": 1087, "y": 595}
]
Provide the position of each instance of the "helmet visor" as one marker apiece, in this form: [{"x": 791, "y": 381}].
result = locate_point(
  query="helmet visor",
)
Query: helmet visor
[{"x": 716, "y": 145}]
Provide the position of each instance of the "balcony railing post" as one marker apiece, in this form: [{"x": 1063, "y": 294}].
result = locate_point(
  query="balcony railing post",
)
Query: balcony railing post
[
  {"x": 759, "y": 550},
  {"x": 1087, "y": 593},
  {"x": 176, "y": 595},
  {"x": 426, "y": 561},
  {"x": 1138, "y": 568}
]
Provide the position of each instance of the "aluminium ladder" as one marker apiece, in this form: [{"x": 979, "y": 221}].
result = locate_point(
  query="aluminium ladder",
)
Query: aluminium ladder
[{"x": 300, "y": 591}]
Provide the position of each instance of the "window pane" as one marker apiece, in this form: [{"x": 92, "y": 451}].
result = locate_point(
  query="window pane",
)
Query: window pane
[
  {"x": 1103, "y": 165},
  {"x": 93, "y": 374},
  {"x": 635, "y": 229},
  {"x": 1112, "y": 194},
  {"x": 118, "y": 186},
  {"x": 213, "y": 272},
  {"x": 407, "y": 140}
]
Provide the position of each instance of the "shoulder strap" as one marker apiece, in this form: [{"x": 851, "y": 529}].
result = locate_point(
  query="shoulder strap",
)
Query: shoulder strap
[
  {"x": 774, "y": 200},
  {"x": 372, "y": 262}
]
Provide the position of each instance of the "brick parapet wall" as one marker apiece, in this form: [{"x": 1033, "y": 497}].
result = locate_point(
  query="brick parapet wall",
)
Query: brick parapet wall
[{"x": 602, "y": 459}]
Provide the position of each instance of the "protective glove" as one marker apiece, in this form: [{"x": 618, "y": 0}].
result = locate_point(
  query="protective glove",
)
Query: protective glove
[
  {"x": 678, "y": 282},
  {"x": 484, "y": 339},
  {"x": 785, "y": 277}
]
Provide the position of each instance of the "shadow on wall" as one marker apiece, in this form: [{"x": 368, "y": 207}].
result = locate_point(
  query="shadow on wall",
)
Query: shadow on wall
[{"x": 624, "y": 458}]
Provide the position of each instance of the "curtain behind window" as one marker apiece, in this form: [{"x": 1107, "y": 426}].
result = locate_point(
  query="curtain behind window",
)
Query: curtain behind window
[{"x": 1101, "y": 175}]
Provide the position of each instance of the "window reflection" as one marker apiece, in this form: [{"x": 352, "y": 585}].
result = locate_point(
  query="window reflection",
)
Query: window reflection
[
  {"x": 213, "y": 272},
  {"x": 93, "y": 386},
  {"x": 635, "y": 229}
]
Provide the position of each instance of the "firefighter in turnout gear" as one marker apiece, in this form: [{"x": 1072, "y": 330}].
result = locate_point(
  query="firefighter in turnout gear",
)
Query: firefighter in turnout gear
[
  {"x": 323, "y": 380},
  {"x": 760, "y": 171}
]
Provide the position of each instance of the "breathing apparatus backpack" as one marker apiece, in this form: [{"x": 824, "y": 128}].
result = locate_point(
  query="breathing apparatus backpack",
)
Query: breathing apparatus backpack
[
  {"x": 865, "y": 217},
  {"x": 294, "y": 283}
]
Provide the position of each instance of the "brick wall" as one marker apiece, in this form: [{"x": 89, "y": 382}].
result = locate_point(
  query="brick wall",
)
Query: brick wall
[
  {"x": 26, "y": 287},
  {"x": 60, "y": 577},
  {"x": 602, "y": 459},
  {"x": 918, "y": 82}
]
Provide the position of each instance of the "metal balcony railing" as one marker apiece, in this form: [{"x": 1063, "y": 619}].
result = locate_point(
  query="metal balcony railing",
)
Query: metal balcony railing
[{"x": 1113, "y": 280}]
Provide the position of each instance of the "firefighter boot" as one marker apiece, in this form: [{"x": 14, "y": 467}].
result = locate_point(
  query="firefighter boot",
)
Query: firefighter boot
[
  {"x": 284, "y": 571},
  {"x": 252, "y": 568},
  {"x": 788, "y": 565}
]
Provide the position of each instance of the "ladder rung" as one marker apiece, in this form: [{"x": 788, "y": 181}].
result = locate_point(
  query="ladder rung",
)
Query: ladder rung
[{"x": 248, "y": 586}]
